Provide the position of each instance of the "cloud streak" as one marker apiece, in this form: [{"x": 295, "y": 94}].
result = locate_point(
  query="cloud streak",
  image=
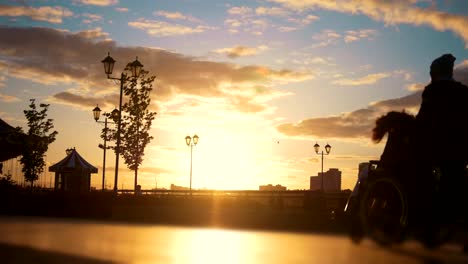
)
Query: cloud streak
[
  {"x": 271, "y": 11},
  {"x": 359, "y": 123},
  {"x": 331, "y": 37},
  {"x": 241, "y": 51},
  {"x": 8, "y": 98},
  {"x": 365, "y": 80},
  {"x": 244, "y": 18},
  {"x": 96, "y": 33},
  {"x": 165, "y": 29},
  {"x": 90, "y": 18},
  {"x": 98, "y": 2},
  {"x": 390, "y": 12},
  {"x": 176, "y": 16},
  {"x": 352, "y": 125}
]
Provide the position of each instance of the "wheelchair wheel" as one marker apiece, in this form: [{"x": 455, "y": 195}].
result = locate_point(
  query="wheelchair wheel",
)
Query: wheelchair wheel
[{"x": 384, "y": 211}]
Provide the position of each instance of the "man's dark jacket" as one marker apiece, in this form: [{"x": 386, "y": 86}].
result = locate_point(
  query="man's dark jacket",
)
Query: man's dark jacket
[{"x": 443, "y": 120}]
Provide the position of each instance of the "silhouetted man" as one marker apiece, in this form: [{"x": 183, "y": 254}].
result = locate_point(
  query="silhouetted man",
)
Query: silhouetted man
[{"x": 442, "y": 130}]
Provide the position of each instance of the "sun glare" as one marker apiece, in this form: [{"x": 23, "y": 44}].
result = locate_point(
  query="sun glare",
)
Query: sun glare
[
  {"x": 234, "y": 150},
  {"x": 228, "y": 161}
]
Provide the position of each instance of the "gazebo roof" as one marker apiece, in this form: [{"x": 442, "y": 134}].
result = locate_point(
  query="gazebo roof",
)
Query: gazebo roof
[
  {"x": 5, "y": 127},
  {"x": 11, "y": 141},
  {"x": 72, "y": 162}
]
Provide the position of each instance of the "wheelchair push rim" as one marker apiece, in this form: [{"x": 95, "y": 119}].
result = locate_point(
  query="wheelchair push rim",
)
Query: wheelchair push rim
[{"x": 384, "y": 211}]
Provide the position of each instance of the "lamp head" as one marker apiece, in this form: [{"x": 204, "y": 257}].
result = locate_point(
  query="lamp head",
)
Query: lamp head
[
  {"x": 188, "y": 139},
  {"x": 108, "y": 64},
  {"x": 115, "y": 115},
  {"x": 96, "y": 113},
  {"x": 195, "y": 140},
  {"x": 135, "y": 68},
  {"x": 327, "y": 148},
  {"x": 316, "y": 147}
]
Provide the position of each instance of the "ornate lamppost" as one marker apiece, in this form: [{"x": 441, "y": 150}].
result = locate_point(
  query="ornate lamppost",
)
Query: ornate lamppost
[
  {"x": 104, "y": 147},
  {"x": 135, "y": 69},
  {"x": 190, "y": 143},
  {"x": 327, "y": 150}
]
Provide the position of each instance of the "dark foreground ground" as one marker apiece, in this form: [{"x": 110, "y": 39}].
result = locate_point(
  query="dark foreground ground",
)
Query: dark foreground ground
[{"x": 24, "y": 254}]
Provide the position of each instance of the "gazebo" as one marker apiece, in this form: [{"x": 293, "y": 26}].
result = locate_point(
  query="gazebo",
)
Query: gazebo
[
  {"x": 11, "y": 141},
  {"x": 73, "y": 173}
]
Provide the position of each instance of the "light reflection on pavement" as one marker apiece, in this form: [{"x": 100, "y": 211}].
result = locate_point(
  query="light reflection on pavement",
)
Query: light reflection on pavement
[{"x": 125, "y": 243}]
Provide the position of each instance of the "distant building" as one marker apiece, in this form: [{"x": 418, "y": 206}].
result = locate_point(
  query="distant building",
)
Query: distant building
[
  {"x": 331, "y": 181},
  {"x": 178, "y": 188},
  {"x": 315, "y": 183},
  {"x": 270, "y": 187}
]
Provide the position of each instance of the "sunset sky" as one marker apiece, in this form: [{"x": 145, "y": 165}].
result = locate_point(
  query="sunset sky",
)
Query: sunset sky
[{"x": 260, "y": 82}]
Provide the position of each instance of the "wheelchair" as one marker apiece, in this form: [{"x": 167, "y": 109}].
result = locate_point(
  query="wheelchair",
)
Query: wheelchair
[{"x": 391, "y": 205}]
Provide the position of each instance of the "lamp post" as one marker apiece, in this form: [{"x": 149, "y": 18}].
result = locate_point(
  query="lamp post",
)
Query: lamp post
[
  {"x": 190, "y": 143},
  {"x": 104, "y": 147},
  {"x": 327, "y": 150},
  {"x": 135, "y": 69}
]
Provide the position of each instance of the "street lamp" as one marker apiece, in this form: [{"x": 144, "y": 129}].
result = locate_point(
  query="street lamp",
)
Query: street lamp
[
  {"x": 327, "y": 150},
  {"x": 190, "y": 143},
  {"x": 104, "y": 147},
  {"x": 135, "y": 70}
]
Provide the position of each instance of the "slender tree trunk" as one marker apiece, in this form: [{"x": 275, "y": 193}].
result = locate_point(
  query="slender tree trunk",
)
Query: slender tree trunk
[
  {"x": 137, "y": 155},
  {"x": 136, "y": 178}
]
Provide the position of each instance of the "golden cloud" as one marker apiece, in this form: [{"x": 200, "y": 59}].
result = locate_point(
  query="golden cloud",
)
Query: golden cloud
[
  {"x": 121, "y": 9},
  {"x": 164, "y": 29},
  {"x": 96, "y": 33},
  {"x": 331, "y": 37},
  {"x": 54, "y": 57},
  {"x": 240, "y": 10},
  {"x": 414, "y": 87},
  {"x": 176, "y": 16},
  {"x": 356, "y": 124},
  {"x": 241, "y": 51},
  {"x": 98, "y": 2},
  {"x": 271, "y": 11},
  {"x": 355, "y": 35},
  {"x": 8, "y": 98},
  {"x": 51, "y": 14},
  {"x": 286, "y": 29},
  {"x": 365, "y": 80},
  {"x": 90, "y": 18},
  {"x": 244, "y": 16}
]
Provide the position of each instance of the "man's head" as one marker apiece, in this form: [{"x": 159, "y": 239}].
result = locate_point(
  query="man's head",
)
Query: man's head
[{"x": 442, "y": 67}]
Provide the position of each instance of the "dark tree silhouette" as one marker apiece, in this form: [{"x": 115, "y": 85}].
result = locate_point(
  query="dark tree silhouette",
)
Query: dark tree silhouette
[
  {"x": 136, "y": 121},
  {"x": 37, "y": 141}
]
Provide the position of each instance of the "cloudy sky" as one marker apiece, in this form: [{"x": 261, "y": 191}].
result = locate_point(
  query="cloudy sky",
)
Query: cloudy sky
[{"x": 260, "y": 82}]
